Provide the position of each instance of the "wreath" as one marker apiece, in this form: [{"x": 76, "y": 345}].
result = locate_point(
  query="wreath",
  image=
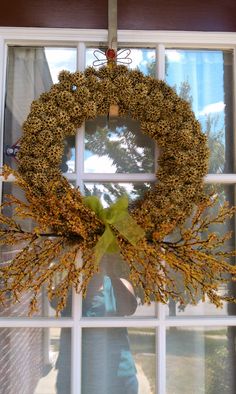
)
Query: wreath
[{"x": 68, "y": 224}]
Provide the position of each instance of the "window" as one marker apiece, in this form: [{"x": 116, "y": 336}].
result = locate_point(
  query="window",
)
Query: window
[{"x": 173, "y": 349}]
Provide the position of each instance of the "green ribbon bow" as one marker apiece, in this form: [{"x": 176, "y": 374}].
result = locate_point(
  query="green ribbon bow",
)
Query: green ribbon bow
[{"x": 116, "y": 215}]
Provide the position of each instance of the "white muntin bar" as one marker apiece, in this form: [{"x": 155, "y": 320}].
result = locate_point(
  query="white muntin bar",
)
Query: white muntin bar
[
  {"x": 77, "y": 298},
  {"x": 33, "y": 322},
  {"x": 161, "y": 360},
  {"x": 76, "y": 365},
  {"x": 201, "y": 321},
  {"x": 161, "y": 309},
  {"x": 93, "y": 177},
  {"x": 143, "y": 177},
  {"x": 221, "y": 178},
  {"x": 160, "y": 62},
  {"x": 191, "y": 322}
]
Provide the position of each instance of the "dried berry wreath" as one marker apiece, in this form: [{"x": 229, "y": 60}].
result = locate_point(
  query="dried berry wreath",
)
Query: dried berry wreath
[{"x": 59, "y": 209}]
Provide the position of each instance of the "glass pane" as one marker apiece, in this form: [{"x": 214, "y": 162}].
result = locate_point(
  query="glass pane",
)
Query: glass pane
[
  {"x": 204, "y": 78},
  {"x": 117, "y": 360},
  {"x": 68, "y": 157},
  {"x": 7, "y": 253},
  {"x": 60, "y": 59},
  {"x": 224, "y": 192},
  {"x": 201, "y": 360},
  {"x": 35, "y": 360},
  {"x": 109, "y": 192},
  {"x": 112, "y": 266},
  {"x": 111, "y": 294},
  {"x": 117, "y": 146},
  {"x": 37, "y": 69},
  {"x": 21, "y": 308},
  {"x": 9, "y": 188},
  {"x": 142, "y": 58}
]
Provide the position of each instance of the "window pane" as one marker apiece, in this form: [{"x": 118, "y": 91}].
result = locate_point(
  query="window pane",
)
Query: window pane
[
  {"x": 60, "y": 59},
  {"x": 68, "y": 157},
  {"x": 21, "y": 308},
  {"x": 30, "y": 72},
  {"x": 109, "y": 192},
  {"x": 113, "y": 267},
  {"x": 35, "y": 360},
  {"x": 142, "y": 58},
  {"x": 116, "y": 359},
  {"x": 7, "y": 253},
  {"x": 224, "y": 192},
  {"x": 201, "y": 360},
  {"x": 204, "y": 78},
  {"x": 111, "y": 294},
  {"x": 117, "y": 146},
  {"x": 63, "y": 59}
]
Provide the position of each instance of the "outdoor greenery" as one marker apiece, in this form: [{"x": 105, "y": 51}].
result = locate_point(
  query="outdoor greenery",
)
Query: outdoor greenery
[{"x": 189, "y": 351}]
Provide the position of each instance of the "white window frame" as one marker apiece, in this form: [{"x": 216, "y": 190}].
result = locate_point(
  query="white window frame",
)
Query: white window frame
[{"x": 82, "y": 38}]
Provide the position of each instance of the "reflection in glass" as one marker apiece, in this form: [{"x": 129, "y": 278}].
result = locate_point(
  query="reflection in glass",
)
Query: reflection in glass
[
  {"x": 63, "y": 362},
  {"x": 7, "y": 253},
  {"x": 33, "y": 360},
  {"x": 225, "y": 193},
  {"x": 117, "y": 360},
  {"x": 16, "y": 191},
  {"x": 21, "y": 308},
  {"x": 112, "y": 265},
  {"x": 61, "y": 59},
  {"x": 201, "y": 360},
  {"x": 109, "y": 192},
  {"x": 37, "y": 69},
  {"x": 111, "y": 294},
  {"x": 68, "y": 157},
  {"x": 142, "y": 58},
  {"x": 117, "y": 146},
  {"x": 204, "y": 78}
]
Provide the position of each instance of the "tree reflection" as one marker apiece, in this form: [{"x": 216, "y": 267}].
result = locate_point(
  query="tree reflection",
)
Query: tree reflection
[
  {"x": 128, "y": 150},
  {"x": 122, "y": 141}
]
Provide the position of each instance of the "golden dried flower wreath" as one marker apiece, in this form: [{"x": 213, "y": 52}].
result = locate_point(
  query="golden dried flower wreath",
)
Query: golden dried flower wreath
[
  {"x": 163, "y": 116},
  {"x": 60, "y": 210}
]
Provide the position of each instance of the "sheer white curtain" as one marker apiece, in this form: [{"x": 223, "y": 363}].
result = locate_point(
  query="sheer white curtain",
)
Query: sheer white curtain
[{"x": 28, "y": 75}]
